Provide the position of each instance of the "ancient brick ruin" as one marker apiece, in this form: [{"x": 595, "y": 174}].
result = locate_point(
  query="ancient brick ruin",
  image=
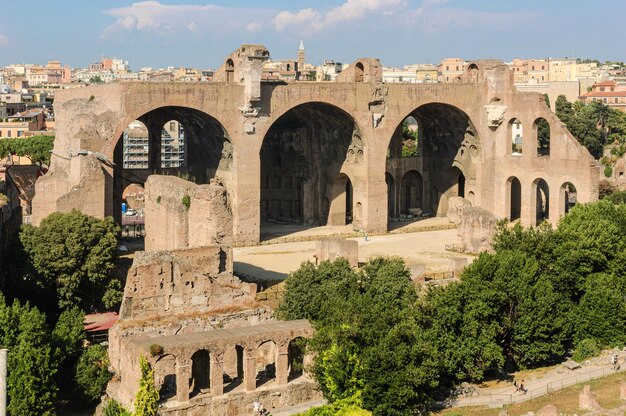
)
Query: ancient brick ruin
[
  {"x": 324, "y": 153},
  {"x": 213, "y": 348}
]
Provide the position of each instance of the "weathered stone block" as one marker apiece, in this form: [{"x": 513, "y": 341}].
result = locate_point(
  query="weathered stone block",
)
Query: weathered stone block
[{"x": 333, "y": 248}]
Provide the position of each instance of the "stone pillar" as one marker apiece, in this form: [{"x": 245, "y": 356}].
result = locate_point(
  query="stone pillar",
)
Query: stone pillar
[
  {"x": 3, "y": 382},
  {"x": 529, "y": 203},
  {"x": 182, "y": 381},
  {"x": 217, "y": 379},
  {"x": 282, "y": 367},
  {"x": 249, "y": 372},
  {"x": 246, "y": 189}
]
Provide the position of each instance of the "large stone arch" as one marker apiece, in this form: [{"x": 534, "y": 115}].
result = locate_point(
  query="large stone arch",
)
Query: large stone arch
[
  {"x": 138, "y": 110},
  {"x": 307, "y": 155},
  {"x": 449, "y": 157},
  {"x": 209, "y": 151}
]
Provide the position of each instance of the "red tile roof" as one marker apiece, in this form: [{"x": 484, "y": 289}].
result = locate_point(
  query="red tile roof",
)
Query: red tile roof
[
  {"x": 602, "y": 94},
  {"x": 100, "y": 321}
]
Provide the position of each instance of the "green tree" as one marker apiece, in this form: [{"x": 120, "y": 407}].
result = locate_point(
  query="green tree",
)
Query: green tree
[
  {"x": 96, "y": 79},
  {"x": 409, "y": 140},
  {"x": 563, "y": 109},
  {"x": 92, "y": 371},
  {"x": 147, "y": 398},
  {"x": 68, "y": 338},
  {"x": 602, "y": 310},
  {"x": 31, "y": 383},
  {"x": 37, "y": 148},
  {"x": 368, "y": 342},
  {"x": 73, "y": 254},
  {"x": 113, "y": 408}
]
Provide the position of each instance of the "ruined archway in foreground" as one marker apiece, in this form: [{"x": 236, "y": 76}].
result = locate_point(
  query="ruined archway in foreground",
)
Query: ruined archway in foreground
[
  {"x": 436, "y": 151},
  {"x": 171, "y": 140},
  {"x": 309, "y": 160}
]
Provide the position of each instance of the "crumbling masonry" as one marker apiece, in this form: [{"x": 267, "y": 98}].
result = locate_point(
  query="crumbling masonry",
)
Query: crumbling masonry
[{"x": 213, "y": 348}]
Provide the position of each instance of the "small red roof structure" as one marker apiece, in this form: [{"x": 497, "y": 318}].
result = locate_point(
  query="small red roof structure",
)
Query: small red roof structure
[{"x": 100, "y": 321}]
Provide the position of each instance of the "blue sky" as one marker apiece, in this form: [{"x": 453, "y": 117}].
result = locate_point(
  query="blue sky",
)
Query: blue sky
[{"x": 200, "y": 33}]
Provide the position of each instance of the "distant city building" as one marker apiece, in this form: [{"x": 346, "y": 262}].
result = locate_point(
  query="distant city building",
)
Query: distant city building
[
  {"x": 416, "y": 73},
  {"x": 571, "y": 70},
  {"x": 51, "y": 73},
  {"x": 607, "y": 92},
  {"x": 329, "y": 70},
  {"x": 450, "y": 68}
]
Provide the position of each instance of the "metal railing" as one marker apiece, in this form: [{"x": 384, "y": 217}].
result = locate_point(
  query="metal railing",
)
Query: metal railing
[{"x": 501, "y": 399}]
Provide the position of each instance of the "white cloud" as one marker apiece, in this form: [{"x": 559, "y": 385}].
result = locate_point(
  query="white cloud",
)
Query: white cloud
[
  {"x": 253, "y": 26},
  {"x": 3, "y": 40},
  {"x": 304, "y": 16},
  {"x": 167, "y": 19},
  {"x": 445, "y": 19},
  {"x": 431, "y": 17},
  {"x": 313, "y": 20}
]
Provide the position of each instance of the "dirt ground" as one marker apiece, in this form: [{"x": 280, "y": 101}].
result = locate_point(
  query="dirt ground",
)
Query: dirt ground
[{"x": 424, "y": 248}]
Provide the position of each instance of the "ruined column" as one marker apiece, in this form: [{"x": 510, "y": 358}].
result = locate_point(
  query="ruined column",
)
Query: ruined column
[
  {"x": 282, "y": 367},
  {"x": 217, "y": 378},
  {"x": 182, "y": 381},
  {"x": 249, "y": 372},
  {"x": 3, "y": 382}
]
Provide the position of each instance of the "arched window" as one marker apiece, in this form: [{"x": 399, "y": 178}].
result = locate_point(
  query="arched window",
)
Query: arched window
[
  {"x": 541, "y": 193},
  {"x": 541, "y": 127},
  {"x": 172, "y": 145},
  {"x": 359, "y": 72},
  {"x": 230, "y": 70},
  {"x": 568, "y": 197},
  {"x": 136, "y": 145},
  {"x": 516, "y": 133}
]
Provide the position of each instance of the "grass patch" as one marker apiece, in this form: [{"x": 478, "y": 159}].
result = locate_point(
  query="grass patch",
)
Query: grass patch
[{"x": 566, "y": 401}]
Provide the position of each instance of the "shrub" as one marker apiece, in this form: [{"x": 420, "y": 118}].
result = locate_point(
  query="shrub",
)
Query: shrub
[
  {"x": 92, "y": 371},
  {"x": 608, "y": 171},
  {"x": 156, "y": 350},
  {"x": 186, "y": 201},
  {"x": 113, "y": 408},
  {"x": 585, "y": 348}
]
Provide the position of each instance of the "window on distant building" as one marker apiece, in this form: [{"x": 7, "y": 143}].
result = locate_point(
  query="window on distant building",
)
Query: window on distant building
[
  {"x": 447, "y": 68},
  {"x": 533, "y": 67},
  {"x": 605, "y": 100},
  {"x": 601, "y": 88},
  {"x": 542, "y": 67},
  {"x": 542, "y": 77},
  {"x": 20, "y": 133},
  {"x": 8, "y": 133},
  {"x": 616, "y": 100}
]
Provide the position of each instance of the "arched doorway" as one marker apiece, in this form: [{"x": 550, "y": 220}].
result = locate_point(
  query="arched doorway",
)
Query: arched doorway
[
  {"x": 200, "y": 373},
  {"x": 233, "y": 365},
  {"x": 514, "y": 198},
  {"x": 165, "y": 377},
  {"x": 295, "y": 353},
  {"x": 411, "y": 196},
  {"x": 266, "y": 363},
  {"x": 568, "y": 197},
  {"x": 541, "y": 196},
  {"x": 309, "y": 159}
]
